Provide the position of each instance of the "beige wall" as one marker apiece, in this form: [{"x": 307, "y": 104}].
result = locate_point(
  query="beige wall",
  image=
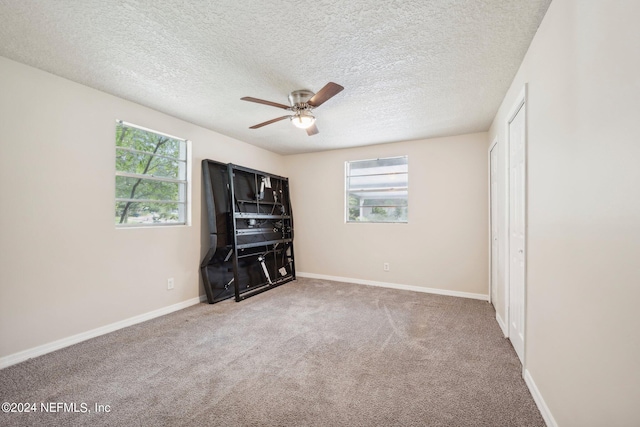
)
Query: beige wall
[
  {"x": 583, "y": 281},
  {"x": 64, "y": 268},
  {"x": 443, "y": 246}
]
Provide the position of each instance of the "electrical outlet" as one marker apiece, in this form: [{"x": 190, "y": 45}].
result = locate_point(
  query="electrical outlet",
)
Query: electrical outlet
[
  {"x": 170, "y": 283},
  {"x": 385, "y": 266}
]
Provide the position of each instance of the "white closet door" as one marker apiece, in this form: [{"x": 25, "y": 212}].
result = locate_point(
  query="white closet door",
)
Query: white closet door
[{"x": 517, "y": 256}]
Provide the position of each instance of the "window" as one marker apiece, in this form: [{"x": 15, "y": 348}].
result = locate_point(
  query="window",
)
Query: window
[
  {"x": 377, "y": 190},
  {"x": 151, "y": 177}
]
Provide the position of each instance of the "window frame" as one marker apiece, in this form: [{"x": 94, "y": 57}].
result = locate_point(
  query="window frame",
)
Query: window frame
[
  {"x": 184, "y": 192},
  {"x": 348, "y": 190}
]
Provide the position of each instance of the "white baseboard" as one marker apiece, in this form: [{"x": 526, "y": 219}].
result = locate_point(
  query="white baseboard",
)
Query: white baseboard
[
  {"x": 537, "y": 397},
  {"x": 482, "y": 297},
  {"x": 503, "y": 325},
  {"x": 21, "y": 356}
]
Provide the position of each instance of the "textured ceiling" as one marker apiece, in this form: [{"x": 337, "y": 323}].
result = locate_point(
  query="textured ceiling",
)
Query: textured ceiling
[{"x": 411, "y": 69}]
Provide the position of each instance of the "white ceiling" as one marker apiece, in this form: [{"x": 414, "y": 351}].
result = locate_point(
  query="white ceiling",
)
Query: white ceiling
[{"x": 411, "y": 69}]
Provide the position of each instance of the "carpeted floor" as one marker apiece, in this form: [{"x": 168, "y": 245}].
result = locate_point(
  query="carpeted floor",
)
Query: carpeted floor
[{"x": 309, "y": 353}]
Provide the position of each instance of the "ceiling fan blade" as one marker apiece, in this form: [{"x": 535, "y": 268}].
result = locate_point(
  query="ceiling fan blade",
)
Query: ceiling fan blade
[
  {"x": 259, "y": 125},
  {"x": 312, "y": 130},
  {"x": 262, "y": 101},
  {"x": 324, "y": 94}
]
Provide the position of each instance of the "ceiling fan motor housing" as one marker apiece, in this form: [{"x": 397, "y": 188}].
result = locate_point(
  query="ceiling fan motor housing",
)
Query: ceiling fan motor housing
[{"x": 299, "y": 98}]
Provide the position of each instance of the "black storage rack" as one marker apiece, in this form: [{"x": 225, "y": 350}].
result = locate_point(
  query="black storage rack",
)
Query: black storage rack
[{"x": 251, "y": 232}]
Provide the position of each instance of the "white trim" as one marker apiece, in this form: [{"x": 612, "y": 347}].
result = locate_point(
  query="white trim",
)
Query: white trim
[
  {"x": 537, "y": 397},
  {"x": 493, "y": 145},
  {"x": 189, "y": 187},
  {"x": 520, "y": 101},
  {"x": 502, "y": 325},
  {"x": 482, "y": 297},
  {"x": 151, "y": 177},
  {"x": 21, "y": 356},
  {"x": 506, "y": 233},
  {"x": 131, "y": 125}
]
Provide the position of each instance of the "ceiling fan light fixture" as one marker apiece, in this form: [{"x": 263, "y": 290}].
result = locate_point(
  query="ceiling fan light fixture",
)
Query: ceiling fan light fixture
[{"x": 303, "y": 119}]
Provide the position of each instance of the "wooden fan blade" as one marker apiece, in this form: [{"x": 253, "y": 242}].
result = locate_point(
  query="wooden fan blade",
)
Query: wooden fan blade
[
  {"x": 312, "y": 130},
  {"x": 262, "y": 101},
  {"x": 259, "y": 125},
  {"x": 324, "y": 94}
]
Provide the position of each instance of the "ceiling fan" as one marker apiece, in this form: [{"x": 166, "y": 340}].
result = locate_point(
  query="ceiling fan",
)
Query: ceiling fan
[{"x": 302, "y": 104}]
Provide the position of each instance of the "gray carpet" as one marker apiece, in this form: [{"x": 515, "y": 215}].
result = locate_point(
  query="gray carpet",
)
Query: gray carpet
[{"x": 309, "y": 353}]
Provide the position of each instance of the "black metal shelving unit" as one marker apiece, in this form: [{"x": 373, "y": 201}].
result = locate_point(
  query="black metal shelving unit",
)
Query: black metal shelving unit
[{"x": 251, "y": 232}]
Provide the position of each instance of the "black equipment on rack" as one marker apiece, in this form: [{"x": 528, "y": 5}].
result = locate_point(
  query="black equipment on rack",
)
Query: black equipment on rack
[{"x": 251, "y": 232}]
